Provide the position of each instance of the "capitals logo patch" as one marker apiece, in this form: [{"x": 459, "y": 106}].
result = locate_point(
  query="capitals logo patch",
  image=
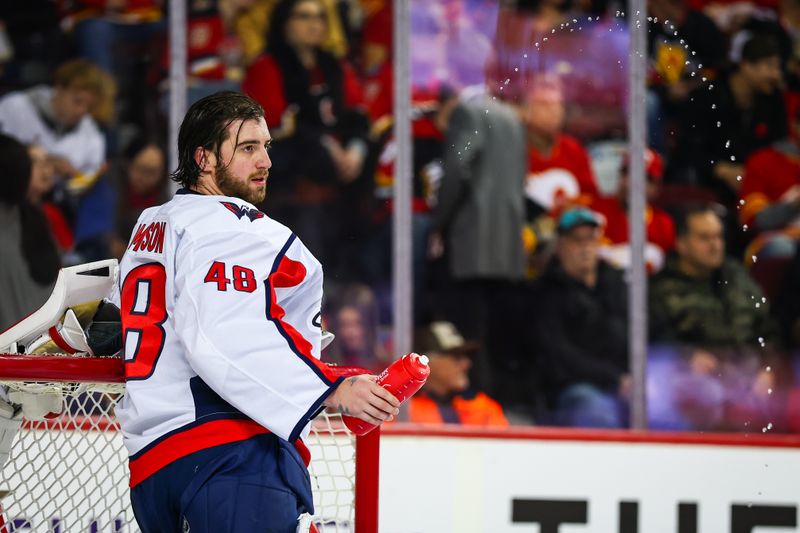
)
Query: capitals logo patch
[{"x": 240, "y": 211}]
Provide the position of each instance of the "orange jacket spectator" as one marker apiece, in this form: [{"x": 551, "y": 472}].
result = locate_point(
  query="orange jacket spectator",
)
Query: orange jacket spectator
[
  {"x": 469, "y": 410},
  {"x": 447, "y": 396}
]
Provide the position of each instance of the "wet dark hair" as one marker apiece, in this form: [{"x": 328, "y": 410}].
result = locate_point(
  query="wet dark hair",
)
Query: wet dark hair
[
  {"x": 205, "y": 125},
  {"x": 37, "y": 246}
]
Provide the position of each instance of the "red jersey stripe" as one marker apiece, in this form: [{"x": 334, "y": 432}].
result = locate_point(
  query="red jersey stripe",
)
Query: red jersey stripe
[{"x": 174, "y": 447}]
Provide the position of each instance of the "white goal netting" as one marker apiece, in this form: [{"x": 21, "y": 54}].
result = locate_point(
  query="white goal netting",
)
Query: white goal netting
[{"x": 69, "y": 474}]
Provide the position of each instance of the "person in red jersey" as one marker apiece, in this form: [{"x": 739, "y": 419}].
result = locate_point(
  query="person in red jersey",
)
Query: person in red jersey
[
  {"x": 770, "y": 197},
  {"x": 559, "y": 170},
  {"x": 660, "y": 226}
]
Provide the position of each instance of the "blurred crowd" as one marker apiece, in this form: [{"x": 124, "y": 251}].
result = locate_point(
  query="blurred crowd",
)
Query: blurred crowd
[{"x": 520, "y": 185}]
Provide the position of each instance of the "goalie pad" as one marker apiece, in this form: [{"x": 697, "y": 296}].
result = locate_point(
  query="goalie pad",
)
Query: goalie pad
[
  {"x": 38, "y": 405},
  {"x": 66, "y": 337},
  {"x": 59, "y": 326},
  {"x": 75, "y": 285}
]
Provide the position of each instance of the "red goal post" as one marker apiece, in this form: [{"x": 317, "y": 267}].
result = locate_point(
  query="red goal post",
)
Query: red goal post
[{"x": 69, "y": 472}]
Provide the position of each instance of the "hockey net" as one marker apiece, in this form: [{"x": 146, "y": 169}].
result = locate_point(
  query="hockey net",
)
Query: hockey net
[{"x": 69, "y": 473}]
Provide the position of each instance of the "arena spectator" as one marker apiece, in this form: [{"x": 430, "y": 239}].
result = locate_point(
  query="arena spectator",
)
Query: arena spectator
[
  {"x": 250, "y": 22},
  {"x": 660, "y": 227},
  {"x": 35, "y": 44},
  {"x": 559, "y": 170},
  {"x": 447, "y": 396},
  {"x": 58, "y": 118},
  {"x": 30, "y": 259},
  {"x": 124, "y": 38},
  {"x": 311, "y": 101},
  {"x": 144, "y": 184},
  {"x": 720, "y": 372},
  {"x": 479, "y": 218},
  {"x": 354, "y": 317},
  {"x": 214, "y": 56},
  {"x": 739, "y": 113},
  {"x": 701, "y": 298},
  {"x": 430, "y": 114},
  {"x": 578, "y": 330},
  {"x": 684, "y": 45},
  {"x": 787, "y": 305},
  {"x": 770, "y": 197},
  {"x": 40, "y": 191}
]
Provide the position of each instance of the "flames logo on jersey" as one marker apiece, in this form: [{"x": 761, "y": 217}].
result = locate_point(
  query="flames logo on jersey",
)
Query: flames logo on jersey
[{"x": 240, "y": 211}]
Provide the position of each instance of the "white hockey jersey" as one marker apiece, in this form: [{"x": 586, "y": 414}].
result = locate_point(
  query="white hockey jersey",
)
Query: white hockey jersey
[{"x": 221, "y": 329}]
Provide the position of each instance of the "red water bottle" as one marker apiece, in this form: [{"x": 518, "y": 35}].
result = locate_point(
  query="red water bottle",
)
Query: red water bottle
[{"x": 403, "y": 379}]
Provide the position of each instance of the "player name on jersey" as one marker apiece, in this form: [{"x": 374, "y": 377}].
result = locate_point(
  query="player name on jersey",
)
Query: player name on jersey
[{"x": 149, "y": 237}]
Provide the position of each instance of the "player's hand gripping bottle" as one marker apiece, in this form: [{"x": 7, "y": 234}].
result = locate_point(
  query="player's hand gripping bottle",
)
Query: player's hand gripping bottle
[{"x": 403, "y": 378}]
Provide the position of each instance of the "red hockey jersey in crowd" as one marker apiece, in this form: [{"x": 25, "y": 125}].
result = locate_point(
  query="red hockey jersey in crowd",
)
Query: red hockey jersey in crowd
[
  {"x": 564, "y": 176},
  {"x": 660, "y": 233},
  {"x": 769, "y": 174}
]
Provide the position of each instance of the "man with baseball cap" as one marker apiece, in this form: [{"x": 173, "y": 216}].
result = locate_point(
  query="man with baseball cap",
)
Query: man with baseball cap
[
  {"x": 578, "y": 328},
  {"x": 447, "y": 396}
]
